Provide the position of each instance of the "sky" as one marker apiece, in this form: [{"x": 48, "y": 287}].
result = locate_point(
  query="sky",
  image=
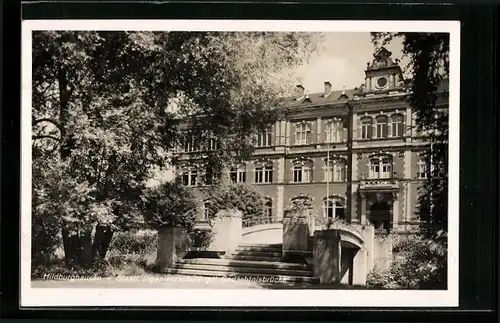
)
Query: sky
[{"x": 341, "y": 59}]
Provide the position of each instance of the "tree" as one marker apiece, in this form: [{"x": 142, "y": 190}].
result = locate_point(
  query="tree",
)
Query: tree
[
  {"x": 428, "y": 66},
  {"x": 169, "y": 205},
  {"x": 239, "y": 196},
  {"x": 107, "y": 108}
]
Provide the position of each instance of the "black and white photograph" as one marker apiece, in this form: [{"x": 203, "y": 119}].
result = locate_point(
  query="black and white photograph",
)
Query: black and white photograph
[{"x": 240, "y": 163}]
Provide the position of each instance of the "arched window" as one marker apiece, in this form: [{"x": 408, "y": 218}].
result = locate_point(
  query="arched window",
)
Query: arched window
[
  {"x": 335, "y": 131},
  {"x": 264, "y": 172},
  {"x": 268, "y": 208},
  {"x": 303, "y": 133},
  {"x": 334, "y": 208},
  {"x": 335, "y": 170},
  {"x": 366, "y": 127},
  {"x": 302, "y": 172},
  {"x": 301, "y": 201},
  {"x": 397, "y": 124},
  {"x": 382, "y": 126},
  {"x": 380, "y": 167}
]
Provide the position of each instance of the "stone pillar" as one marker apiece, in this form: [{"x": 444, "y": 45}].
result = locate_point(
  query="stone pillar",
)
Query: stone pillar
[
  {"x": 382, "y": 253},
  {"x": 359, "y": 266},
  {"x": 327, "y": 256},
  {"x": 368, "y": 234},
  {"x": 363, "y": 209},
  {"x": 391, "y": 80},
  {"x": 172, "y": 245},
  {"x": 280, "y": 196},
  {"x": 281, "y": 170},
  {"x": 296, "y": 232},
  {"x": 227, "y": 230},
  {"x": 395, "y": 211},
  {"x": 369, "y": 84},
  {"x": 354, "y": 168}
]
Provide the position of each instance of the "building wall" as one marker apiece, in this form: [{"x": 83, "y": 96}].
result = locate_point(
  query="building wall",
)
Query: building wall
[{"x": 404, "y": 151}]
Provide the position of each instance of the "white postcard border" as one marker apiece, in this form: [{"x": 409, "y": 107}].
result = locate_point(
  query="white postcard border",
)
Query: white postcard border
[{"x": 36, "y": 297}]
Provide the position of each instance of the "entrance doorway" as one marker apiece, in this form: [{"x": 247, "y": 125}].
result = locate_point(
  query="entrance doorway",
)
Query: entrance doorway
[{"x": 380, "y": 215}]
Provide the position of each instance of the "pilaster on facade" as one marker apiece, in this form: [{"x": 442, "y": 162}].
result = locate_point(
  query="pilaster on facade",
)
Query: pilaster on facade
[
  {"x": 409, "y": 123},
  {"x": 318, "y": 132}
]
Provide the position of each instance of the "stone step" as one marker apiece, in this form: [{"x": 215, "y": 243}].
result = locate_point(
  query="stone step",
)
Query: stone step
[
  {"x": 246, "y": 263},
  {"x": 258, "y": 248},
  {"x": 257, "y": 253},
  {"x": 276, "y": 278},
  {"x": 253, "y": 258},
  {"x": 261, "y": 245},
  {"x": 244, "y": 270}
]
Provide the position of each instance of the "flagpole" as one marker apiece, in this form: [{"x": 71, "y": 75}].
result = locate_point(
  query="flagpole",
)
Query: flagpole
[{"x": 328, "y": 177}]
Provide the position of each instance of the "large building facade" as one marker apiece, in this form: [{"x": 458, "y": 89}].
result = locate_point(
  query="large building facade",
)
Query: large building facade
[{"x": 354, "y": 154}]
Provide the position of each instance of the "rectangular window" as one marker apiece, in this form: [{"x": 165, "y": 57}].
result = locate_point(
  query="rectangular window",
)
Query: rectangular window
[
  {"x": 422, "y": 169},
  {"x": 268, "y": 174},
  {"x": 189, "y": 178},
  {"x": 366, "y": 128},
  {"x": 259, "y": 172},
  {"x": 329, "y": 173},
  {"x": 335, "y": 131},
  {"x": 340, "y": 172},
  {"x": 303, "y": 133},
  {"x": 297, "y": 174},
  {"x": 264, "y": 139}
]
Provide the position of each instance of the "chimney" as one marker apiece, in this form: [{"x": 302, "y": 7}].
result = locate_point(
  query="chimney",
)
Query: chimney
[
  {"x": 328, "y": 88},
  {"x": 300, "y": 91}
]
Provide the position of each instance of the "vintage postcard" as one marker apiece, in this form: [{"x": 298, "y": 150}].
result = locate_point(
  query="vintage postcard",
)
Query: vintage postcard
[{"x": 240, "y": 163}]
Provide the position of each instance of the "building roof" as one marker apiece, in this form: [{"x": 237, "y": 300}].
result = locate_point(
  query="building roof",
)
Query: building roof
[
  {"x": 320, "y": 98},
  {"x": 336, "y": 96}
]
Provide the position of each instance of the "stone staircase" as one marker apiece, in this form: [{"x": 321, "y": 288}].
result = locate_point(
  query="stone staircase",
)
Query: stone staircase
[{"x": 259, "y": 262}]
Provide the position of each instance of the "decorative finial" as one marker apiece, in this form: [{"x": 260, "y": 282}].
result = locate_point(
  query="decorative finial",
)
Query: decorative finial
[{"x": 343, "y": 89}]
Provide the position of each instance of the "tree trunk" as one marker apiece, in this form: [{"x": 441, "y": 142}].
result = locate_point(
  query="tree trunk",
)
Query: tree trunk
[
  {"x": 102, "y": 240},
  {"x": 72, "y": 253}
]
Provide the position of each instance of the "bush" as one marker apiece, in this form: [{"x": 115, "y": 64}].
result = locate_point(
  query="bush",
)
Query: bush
[
  {"x": 420, "y": 263},
  {"x": 45, "y": 239},
  {"x": 169, "y": 205},
  {"x": 132, "y": 253},
  {"x": 382, "y": 279},
  {"x": 241, "y": 197},
  {"x": 200, "y": 238}
]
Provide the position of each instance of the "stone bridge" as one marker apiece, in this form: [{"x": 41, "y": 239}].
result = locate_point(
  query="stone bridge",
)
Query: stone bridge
[{"x": 340, "y": 252}]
